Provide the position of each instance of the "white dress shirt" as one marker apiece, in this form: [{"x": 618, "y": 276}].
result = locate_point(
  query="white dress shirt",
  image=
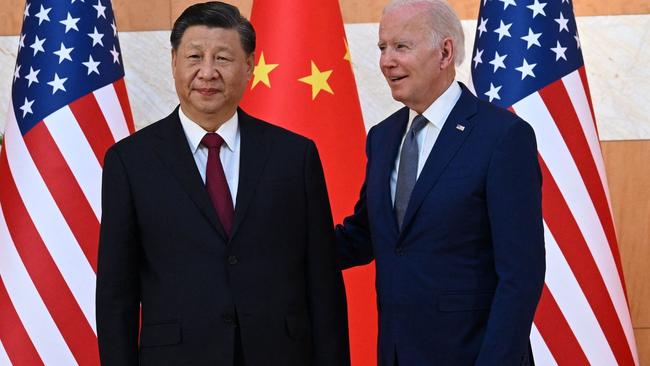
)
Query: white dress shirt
[
  {"x": 230, "y": 150},
  {"x": 436, "y": 114}
]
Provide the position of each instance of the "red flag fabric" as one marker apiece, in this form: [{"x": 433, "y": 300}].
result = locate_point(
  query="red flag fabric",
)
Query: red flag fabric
[
  {"x": 69, "y": 104},
  {"x": 304, "y": 82}
]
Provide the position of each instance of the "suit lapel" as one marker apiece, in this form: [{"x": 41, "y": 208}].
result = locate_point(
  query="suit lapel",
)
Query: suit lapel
[
  {"x": 447, "y": 144},
  {"x": 254, "y": 152},
  {"x": 388, "y": 144},
  {"x": 174, "y": 152}
]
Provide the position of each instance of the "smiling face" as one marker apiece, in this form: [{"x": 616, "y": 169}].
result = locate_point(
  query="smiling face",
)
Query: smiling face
[
  {"x": 417, "y": 70},
  {"x": 211, "y": 71}
]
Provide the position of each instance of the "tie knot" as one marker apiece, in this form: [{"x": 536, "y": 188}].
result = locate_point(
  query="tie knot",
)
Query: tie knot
[
  {"x": 418, "y": 123},
  {"x": 212, "y": 140}
]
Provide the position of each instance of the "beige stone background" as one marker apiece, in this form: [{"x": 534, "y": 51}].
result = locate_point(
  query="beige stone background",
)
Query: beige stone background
[{"x": 615, "y": 43}]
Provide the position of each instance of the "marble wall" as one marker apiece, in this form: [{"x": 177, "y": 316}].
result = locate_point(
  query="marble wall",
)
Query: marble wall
[{"x": 615, "y": 48}]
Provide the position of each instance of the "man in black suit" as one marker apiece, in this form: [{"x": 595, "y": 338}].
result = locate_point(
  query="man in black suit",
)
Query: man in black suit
[{"x": 217, "y": 225}]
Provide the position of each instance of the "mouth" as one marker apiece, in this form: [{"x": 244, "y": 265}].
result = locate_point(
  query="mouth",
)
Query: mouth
[
  {"x": 207, "y": 91},
  {"x": 396, "y": 79}
]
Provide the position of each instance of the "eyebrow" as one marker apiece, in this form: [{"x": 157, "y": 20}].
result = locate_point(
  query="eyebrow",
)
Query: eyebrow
[
  {"x": 199, "y": 46},
  {"x": 194, "y": 46},
  {"x": 397, "y": 41}
]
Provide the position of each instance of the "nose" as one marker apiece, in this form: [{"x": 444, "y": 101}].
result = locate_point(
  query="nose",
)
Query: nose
[
  {"x": 208, "y": 69},
  {"x": 387, "y": 59}
]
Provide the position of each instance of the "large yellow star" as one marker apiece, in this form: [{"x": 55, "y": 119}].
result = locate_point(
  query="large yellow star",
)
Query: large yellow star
[
  {"x": 262, "y": 71},
  {"x": 317, "y": 80},
  {"x": 347, "y": 56}
]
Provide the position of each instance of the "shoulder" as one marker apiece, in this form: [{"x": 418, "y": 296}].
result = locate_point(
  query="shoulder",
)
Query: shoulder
[
  {"x": 279, "y": 136},
  {"x": 490, "y": 111},
  {"x": 501, "y": 131},
  {"x": 500, "y": 122},
  {"x": 147, "y": 135}
]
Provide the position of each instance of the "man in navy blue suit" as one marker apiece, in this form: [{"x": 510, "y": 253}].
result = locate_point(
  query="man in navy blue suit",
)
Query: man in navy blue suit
[{"x": 450, "y": 209}]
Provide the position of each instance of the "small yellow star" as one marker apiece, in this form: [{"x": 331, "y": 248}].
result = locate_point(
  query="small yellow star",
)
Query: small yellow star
[
  {"x": 262, "y": 71},
  {"x": 317, "y": 80},
  {"x": 347, "y": 56}
]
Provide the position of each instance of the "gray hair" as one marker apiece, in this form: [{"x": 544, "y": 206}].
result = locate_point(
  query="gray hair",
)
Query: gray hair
[{"x": 444, "y": 23}]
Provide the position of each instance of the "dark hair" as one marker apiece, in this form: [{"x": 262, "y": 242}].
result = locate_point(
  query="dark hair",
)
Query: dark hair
[{"x": 214, "y": 14}]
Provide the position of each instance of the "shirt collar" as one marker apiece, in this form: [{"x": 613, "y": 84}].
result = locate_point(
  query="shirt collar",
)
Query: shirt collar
[
  {"x": 194, "y": 133},
  {"x": 439, "y": 110}
]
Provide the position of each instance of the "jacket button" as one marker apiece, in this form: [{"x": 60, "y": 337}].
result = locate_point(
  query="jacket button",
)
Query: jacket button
[{"x": 233, "y": 260}]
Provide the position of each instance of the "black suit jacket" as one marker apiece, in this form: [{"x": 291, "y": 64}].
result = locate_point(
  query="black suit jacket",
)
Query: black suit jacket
[{"x": 162, "y": 248}]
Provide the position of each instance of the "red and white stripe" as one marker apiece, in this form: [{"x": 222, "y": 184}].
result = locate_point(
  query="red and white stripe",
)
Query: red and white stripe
[
  {"x": 50, "y": 209},
  {"x": 583, "y": 316},
  {"x": 4, "y": 357}
]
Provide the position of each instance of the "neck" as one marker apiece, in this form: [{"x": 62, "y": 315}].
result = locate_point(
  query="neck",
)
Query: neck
[
  {"x": 443, "y": 85},
  {"x": 210, "y": 122}
]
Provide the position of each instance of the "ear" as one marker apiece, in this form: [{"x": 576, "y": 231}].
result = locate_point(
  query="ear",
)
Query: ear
[
  {"x": 174, "y": 60},
  {"x": 448, "y": 51},
  {"x": 250, "y": 65}
]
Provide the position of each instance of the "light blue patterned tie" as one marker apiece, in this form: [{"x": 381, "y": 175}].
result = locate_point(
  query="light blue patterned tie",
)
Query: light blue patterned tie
[{"x": 408, "y": 168}]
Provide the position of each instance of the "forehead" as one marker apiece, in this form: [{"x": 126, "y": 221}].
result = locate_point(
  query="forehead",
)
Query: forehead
[
  {"x": 406, "y": 21},
  {"x": 205, "y": 37}
]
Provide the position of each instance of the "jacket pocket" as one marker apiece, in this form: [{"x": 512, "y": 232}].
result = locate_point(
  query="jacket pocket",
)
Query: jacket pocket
[
  {"x": 154, "y": 335},
  {"x": 465, "y": 302}
]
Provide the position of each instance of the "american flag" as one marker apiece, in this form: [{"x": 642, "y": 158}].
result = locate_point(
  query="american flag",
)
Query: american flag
[
  {"x": 527, "y": 57},
  {"x": 69, "y": 104}
]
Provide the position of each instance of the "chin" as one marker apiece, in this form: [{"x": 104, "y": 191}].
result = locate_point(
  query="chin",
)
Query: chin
[
  {"x": 398, "y": 97},
  {"x": 210, "y": 111},
  {"x": 206, "y": 106}
]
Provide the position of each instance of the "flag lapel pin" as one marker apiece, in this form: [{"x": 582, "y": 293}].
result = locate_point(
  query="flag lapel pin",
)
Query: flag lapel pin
[{"x": 460, "y": 127}]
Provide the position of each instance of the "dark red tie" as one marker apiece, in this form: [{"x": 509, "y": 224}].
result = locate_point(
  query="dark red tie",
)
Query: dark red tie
[{"x": 216, "y": 183}]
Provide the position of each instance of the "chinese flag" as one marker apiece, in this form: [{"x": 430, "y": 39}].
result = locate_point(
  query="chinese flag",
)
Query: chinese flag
[{"x": 304, "y": 82}]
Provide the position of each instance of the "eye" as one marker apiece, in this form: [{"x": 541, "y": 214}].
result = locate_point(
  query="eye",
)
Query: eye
[{"x": 193, "y": 56}]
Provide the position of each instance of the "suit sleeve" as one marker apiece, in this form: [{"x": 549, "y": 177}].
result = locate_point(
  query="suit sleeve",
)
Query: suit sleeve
[
  {"x": 117, "y": 296},
  {"x": 327, "y": 302},
  {"x": 514, "y": 206},
  {"x": 354, "y": 245}
]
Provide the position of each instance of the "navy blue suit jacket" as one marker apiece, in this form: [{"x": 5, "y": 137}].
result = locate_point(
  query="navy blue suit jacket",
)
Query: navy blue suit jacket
[{"x": 459, "y": 284}]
